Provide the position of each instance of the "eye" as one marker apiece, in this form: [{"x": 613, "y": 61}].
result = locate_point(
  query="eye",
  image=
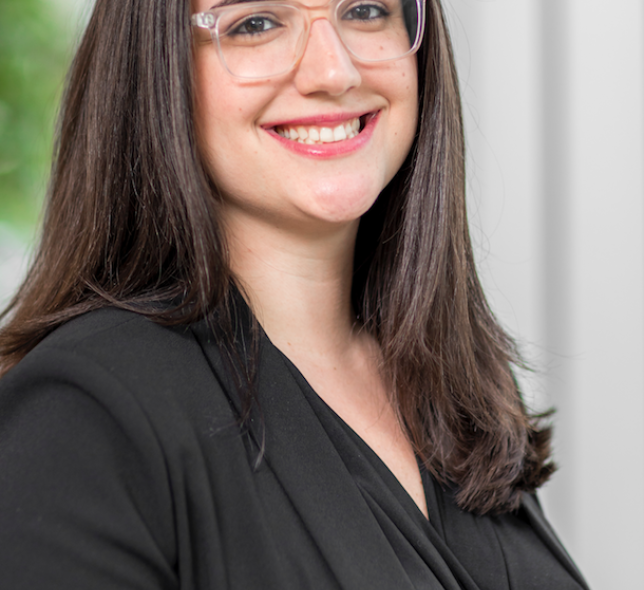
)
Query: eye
[
  {"x": 254, "y": 24},
  {"x": 365, "y": 12}
]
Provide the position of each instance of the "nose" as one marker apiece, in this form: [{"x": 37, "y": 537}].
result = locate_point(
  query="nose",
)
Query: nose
[{"x": 326, "y": 66}]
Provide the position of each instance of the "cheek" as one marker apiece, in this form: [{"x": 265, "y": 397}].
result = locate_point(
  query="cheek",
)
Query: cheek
[
  {"x": 226, "y": 112},
  {"x": 403, "y": 98},
  {"x": 206, "y": 102},
  {"x": 398, "y": 84},
  {"x": 408, "y": 97},
  {"x": 217, "y": 135}
]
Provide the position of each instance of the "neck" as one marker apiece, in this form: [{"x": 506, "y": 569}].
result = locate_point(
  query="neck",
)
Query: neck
[{"x": 298, "y": 285}]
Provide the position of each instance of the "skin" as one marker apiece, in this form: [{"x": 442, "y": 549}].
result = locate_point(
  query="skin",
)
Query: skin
[{"x": 291, "y": 219}]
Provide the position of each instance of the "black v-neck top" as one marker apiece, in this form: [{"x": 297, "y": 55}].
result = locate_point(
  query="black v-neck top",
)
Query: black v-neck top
[
  {"x": 483, "y": 552},
  {"x": 123, "y": 466}
]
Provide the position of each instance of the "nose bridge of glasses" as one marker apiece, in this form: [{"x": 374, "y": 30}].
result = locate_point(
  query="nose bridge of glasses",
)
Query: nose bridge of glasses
[
  {"x": 326, "y": 11},
  {"x": 325, "y": 7},
  {"x": 327, "y": 42},
  {"x": 320, "y": 11},
  {"x": 325, "y": 65}
]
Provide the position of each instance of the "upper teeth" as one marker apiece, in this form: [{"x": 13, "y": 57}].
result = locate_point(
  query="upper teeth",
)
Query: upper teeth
[{"x": 312, "y": 134}]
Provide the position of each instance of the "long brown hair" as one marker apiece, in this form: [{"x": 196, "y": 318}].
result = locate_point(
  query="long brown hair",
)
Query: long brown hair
[{"x": 132, "y": 221}]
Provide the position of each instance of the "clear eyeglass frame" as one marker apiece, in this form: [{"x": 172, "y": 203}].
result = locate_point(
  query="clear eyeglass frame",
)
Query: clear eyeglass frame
[{"x": 210, "y": 20}]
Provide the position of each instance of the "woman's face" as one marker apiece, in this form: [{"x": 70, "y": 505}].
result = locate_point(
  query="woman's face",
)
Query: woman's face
[{"x": 266, "y": 177}]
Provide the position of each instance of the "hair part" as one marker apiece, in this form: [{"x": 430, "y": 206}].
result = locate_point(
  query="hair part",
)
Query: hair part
[{"x": 132, "y": 221}]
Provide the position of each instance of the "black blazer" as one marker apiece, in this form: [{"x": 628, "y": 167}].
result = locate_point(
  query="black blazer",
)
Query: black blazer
[{"x": 122, "y": 467}]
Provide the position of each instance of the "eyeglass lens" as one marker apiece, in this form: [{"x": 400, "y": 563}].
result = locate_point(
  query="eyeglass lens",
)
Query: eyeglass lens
[{"x": 258, "y": 40}]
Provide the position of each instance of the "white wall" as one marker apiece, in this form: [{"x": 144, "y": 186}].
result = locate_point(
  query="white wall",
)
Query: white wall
[{"x": 554, "y": 95}]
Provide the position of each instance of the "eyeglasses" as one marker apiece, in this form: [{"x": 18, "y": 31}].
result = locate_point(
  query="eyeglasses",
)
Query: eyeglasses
[{"x": 263, "y": 39}]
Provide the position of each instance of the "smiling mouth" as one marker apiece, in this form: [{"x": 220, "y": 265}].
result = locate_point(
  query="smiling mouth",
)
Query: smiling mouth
[{"x": 320, "y": 134}]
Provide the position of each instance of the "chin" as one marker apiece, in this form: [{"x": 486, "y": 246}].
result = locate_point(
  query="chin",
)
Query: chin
[{"x": 344, "y": 201}]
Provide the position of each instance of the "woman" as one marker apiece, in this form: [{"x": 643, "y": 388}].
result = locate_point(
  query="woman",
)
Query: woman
[{"x": 252, "y": 350}]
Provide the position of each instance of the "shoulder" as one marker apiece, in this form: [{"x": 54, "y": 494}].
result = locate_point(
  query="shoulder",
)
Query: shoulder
[
  {"x": 113, "y": 380},
  {"x": 122, "y": 344},
  {"x": 139, "y": 372},
  {"x": 96, "y": 423},
  {"x": 113, "y": 337}
]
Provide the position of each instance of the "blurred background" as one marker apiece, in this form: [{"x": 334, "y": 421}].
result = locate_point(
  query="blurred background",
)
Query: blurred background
[
  {"x": 37, "y": 38},
  {"x": 554, "y": 112}
]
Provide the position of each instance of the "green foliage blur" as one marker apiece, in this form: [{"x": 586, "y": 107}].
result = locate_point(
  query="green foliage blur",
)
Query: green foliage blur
[{"x": 35, "y": 50}]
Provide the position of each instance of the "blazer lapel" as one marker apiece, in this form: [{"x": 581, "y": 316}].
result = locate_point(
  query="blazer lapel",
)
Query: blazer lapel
[
  {"x": 299, "y": 452},
  {"x": 548, "y": 536},
  {"x": 323, "y": 491},
  {"x": 318, "y": 483}
]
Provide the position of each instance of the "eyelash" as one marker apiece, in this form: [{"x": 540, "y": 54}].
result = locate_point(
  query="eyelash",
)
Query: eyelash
[
  {"x": 238, "y": 29},
  {"x": 382, "y": 12},
  {"x": 349, "y": 15}
]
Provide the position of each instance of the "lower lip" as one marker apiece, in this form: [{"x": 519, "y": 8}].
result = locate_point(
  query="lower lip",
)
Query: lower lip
[{"x": 333, "y": 149}]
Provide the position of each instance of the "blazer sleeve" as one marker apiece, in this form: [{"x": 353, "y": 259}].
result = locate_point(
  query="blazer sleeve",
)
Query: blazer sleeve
[{"x": 84, "y": 496}]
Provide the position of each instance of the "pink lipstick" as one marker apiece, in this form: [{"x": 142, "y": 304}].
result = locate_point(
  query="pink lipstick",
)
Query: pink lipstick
[{"x": 325, "y": 148}]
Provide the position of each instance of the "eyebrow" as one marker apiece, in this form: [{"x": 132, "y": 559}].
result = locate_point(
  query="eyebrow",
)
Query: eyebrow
[{"x": 231, "y": 2}]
